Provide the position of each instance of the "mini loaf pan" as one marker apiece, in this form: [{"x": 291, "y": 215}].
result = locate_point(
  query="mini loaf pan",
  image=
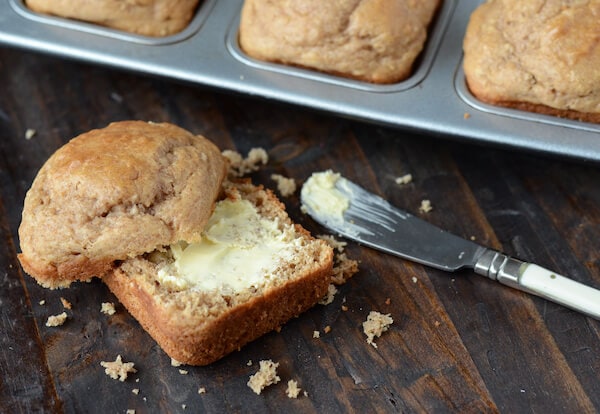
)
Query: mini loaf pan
[{"x": 434, "y": 99}]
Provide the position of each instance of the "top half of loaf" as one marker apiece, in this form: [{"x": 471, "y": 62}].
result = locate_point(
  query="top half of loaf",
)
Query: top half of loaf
[
  {"x": 115, "y": 193},
  {"x": 144, "y": 17},
  {"x": 371, "y": 40},
  {"x": 539, "y": 52}
]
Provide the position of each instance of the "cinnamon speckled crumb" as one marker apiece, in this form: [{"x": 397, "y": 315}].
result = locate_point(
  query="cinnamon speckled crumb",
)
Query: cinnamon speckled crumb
[
  {"x": 265, "y": 376},
  {"x": 240, "y": 166},
  {"x": 285, "y": 186},
  {"x": 425, "y": 206},
  {"x": 118, "y": 369},
  {"x": 56, "y": 320},
  {"x": 292, "y": 390},
  {"x": 375, "y": 325},
  {"x": 107, "y": 308}
]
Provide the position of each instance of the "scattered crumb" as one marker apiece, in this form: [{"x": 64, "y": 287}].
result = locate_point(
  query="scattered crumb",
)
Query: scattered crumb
[
  {"x": 30, "y": 133},
  {"x": 175, "y": 363},
  {"x": 328, "y": 298},
  {"x": 183, "y": 406},
  {"x": 405, "y": 179},
  {"x": 437, "y": 323},
  {"x": 333, "y": 242},
  {"x": 466, "y": 115},
  {"x": 343, "y": 267},
  {"x": 201, "y": 390},
  {"x": 376, "y": 324},
  {"x": 425, "y": 206},
  {"x": 414, "y": 279},
  {"x": 66, "y": 304},
  {"x": 388, "y": 301},
  {"x": 249, "y": 363},
  {"x": 183, "y": 372},
  {"x": 292, "y": 390},
  {"x": 108, "y": 308},
  {"x": 265, "y": 376},
  {"x": 286, "y": 186},
  {"x": 316, "y": 334},
  {"x": 305, "y": 393},
  {"x": 130, "y": 411},
  {"x": 327, "y": 329},
  {"x": 42, "y": 302},
  {"x": 136, "y": 391},
  {"x": 344, "y": 308},
  {"x": 56, "y": 320},
  {"x": 472, "y": 237},
  {"x": 239, "y": 166},
  {"x": 118, "y": 369}
]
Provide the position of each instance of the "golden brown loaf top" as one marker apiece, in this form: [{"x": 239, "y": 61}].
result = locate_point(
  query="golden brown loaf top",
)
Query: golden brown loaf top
[
  {"x": 115, "y": 193},
  {"x": 371, "y": 40},
  {"x": 144, "y": 17},
  {"x": 536, "y": 55}
]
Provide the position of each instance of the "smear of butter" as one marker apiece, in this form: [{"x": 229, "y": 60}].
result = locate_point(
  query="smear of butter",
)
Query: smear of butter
[
  {"x": 320, "y": 195},
  {"x": 239, "y": 249}
]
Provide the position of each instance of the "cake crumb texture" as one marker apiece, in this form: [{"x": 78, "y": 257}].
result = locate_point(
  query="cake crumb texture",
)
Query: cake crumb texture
[
  {"x": 118, "y": 369},
  {"x": 375, "y": 325},
  {"x": 292, "y": 390},
  {"x": 108, "y": 308},
  {"x": 265, "y": 376},
  {"x": 56, "y": 320},
  {"x": 286, "y": 186}
]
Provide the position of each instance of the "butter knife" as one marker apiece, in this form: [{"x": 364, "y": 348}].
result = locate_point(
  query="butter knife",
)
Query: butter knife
[{"x": 352, "y": 212}]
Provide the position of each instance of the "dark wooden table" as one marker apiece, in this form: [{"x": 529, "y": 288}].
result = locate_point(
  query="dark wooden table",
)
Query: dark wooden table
[{"x": 459, "y": 343}]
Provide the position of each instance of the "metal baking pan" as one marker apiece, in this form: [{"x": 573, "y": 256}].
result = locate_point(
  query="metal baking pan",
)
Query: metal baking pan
[{"x": 434, "y": 99}]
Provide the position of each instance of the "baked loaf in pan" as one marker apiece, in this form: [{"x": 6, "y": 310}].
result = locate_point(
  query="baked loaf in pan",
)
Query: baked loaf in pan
[
  {"x": 145, "y": 17},
  {"x": 205, "y": 264},
  {"x": 540, "y": 56},
  {"x": 371, "y": 40}
]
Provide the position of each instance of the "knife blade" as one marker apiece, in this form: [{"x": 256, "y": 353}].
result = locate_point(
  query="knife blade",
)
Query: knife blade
[{"x": 354, "y": 213}]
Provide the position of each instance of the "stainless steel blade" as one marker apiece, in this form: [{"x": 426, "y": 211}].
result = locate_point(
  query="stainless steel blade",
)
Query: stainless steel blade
[{"x": 372, "y": 221}]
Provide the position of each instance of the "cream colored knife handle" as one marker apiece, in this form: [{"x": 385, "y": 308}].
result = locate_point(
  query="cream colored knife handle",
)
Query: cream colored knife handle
[{"x": 542, "y": 282}]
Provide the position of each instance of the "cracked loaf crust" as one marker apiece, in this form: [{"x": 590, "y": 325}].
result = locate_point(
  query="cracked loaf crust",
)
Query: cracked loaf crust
[
  {"x": 115, "y": 193},
  {"x": 144, "y": 17},
  {"x": 540, "y": 56},
  {"x": 371, "y": 40}
]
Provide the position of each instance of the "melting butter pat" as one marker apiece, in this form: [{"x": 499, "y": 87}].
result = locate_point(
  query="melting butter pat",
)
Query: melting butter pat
[
  {"x": 320, "y": 195},
  {"x": 239, "y": 249}
]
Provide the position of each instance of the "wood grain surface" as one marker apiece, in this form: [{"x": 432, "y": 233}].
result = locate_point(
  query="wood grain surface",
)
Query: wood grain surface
[{"x": 459, "y": 342}]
